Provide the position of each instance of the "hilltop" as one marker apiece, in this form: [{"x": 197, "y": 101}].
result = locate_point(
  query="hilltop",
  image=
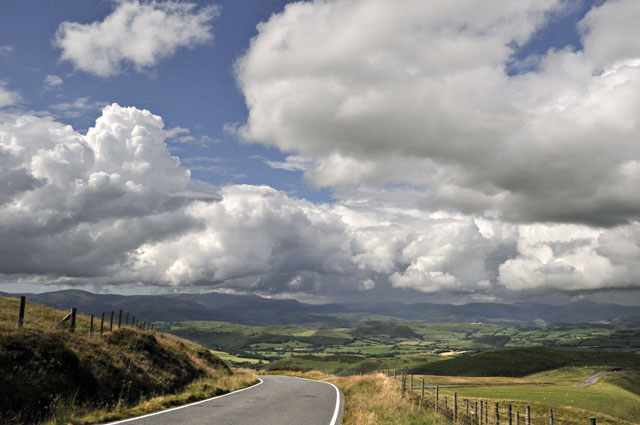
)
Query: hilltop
[{"x": 46, "y": 370}]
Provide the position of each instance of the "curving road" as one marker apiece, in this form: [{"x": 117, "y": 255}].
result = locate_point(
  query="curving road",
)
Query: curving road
[
  {"x": 595, "y": 378},
  {"x": 276, "y": 400}
]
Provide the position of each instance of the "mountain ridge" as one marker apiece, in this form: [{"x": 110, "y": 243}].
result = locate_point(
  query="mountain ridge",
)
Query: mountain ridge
[{"x": 256, "y": 310}]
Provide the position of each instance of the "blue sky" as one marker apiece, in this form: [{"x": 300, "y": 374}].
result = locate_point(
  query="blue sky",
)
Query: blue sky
[
  {"x": 194, "y": 89},
  {"x": 352, "y": 150}
]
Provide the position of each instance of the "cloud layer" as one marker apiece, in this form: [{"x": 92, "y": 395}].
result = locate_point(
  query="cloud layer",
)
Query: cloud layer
[
  {"x": 136, "y": 33},
  {"x": 421, "y": 94},
  {"x": 112, "y": 206},
  {"x": 453, "y": 174}
]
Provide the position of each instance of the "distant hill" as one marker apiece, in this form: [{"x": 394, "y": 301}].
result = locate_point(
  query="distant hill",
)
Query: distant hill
[{"x": 255, "y": 310}]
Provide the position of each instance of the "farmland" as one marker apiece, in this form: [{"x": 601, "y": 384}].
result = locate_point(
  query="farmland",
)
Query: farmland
[{"x": 348, "y": 347}]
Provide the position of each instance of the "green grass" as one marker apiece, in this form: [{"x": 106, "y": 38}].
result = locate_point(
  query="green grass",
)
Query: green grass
[
  {"x": 237, "y": 360},
  {"x": 602, "y": 399},
  {"x": 526, "y": 361}
]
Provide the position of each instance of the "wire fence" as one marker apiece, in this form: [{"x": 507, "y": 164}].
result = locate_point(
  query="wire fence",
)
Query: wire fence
[
  {"x": 477, "y": 411},
  {"x": 119, "y": 321}
]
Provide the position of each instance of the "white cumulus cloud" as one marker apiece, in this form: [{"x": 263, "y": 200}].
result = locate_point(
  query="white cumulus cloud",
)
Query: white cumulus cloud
[
  {"x": 375, "y": 92},
  {"x": 112, "y": 206},
  {"x": 8, "y": 97},
  {"x": 140, "y": 33}
]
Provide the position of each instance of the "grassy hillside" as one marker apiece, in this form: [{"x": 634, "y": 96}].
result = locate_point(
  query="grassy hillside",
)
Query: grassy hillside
[
  {"x": 46, "y": 370},
  {"x": 613, "y": 400},
  {"x": 525, "y": 361}
]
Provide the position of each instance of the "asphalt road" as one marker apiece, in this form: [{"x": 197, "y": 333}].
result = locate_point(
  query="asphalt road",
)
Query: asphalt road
[
  {"x": 278, "y": 400},
  {"x": 595, "y": 378}
]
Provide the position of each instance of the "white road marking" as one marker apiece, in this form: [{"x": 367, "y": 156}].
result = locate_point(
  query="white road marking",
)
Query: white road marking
[
  {"x": 336, "y": 411},
  {"x": 186, "y": 405}
]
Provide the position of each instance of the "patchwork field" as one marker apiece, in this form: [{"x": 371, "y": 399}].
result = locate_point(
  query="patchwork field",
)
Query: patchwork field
[
  {"x": 349, "y": 347},
  {"x": 542, "y": 367}
]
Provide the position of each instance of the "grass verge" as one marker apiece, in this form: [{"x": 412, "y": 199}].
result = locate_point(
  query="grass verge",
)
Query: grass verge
[
  {"x": 68, "y": 413},
  {"x": 378, "y": 400}
]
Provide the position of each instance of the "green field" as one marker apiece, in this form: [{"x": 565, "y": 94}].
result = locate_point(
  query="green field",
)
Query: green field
[
  {"x": 523, "y": 365},
  {"x": 607, "y": 400},
  {"x": 392, "y": 343}
]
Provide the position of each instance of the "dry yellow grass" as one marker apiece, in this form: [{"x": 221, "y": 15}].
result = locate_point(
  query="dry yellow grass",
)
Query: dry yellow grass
[
  {"x": 129, "y": 372},
  {"x": 204, "y": 388},
  {"x": 312, "y": 374},
  {"x": 378, "y": 400}
]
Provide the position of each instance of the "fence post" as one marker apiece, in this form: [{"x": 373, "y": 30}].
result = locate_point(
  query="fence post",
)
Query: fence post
[
  {"x": 486, "y": 412},
  {"x": 102, "y": 323},
  {"x": 120, "y": 319},
  {"x": 23, "y": 301},
  {"x": 91, "y": 326},
  {"x": 72, "y": 325},
  {"x": 475, "y": 412},
  {"x": 435, "y": 407},
  {"x": 411, "y": 387},
  {"x": 528, "y": 413},
  {"x": 517, "y": 417},
  {"x": 509, "y": 415},
  {"x": 481, "y": 410},
  {"x": 111, "y": 322},
  {"x": 455, "y": 407},
  {"x": 395, "y": 371},
  {"x": 422, "y": 396},
  {"x": 592, "y": 421},
  {"x": 550, "y": 416},
  {"x": 466, "y": 404},
  {"x": 496, "y": 415},
  {"x": 446, "y": 406}
]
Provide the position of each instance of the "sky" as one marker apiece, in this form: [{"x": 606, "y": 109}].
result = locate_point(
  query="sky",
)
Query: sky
[{"x": 327, "y": 150}]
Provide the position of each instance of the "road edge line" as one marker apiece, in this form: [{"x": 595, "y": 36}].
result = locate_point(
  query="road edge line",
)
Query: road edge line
[
  {"x": 336, "y": 411},
  {"x": 183, "y": 406}
]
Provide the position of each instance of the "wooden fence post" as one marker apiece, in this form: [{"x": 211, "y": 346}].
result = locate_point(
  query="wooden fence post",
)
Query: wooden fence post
[
  {"x": 72, "y": 324},
  {"x": 422, "y": 396},
  {"x": 550, "y": 416},
  {"x": 437, "y": 396},
  {"x": 91, "y": 326},
  {"x": 466, "y": 405},
  {"x": 528, "y": 413},
  {"x": 517, "y": 417},
  {"x": 496, "y": 415},
  {"x": 486, "y": 412},
  {"x": 592, "y": 421},
  {"x": 411, "y": 387},
  {"x": 475, "y": 413},
  {"x": 111, "y": 322},
  {"x": 395, "y": 372},
  {"x": 23, "y": 301},
  {"x": 102, "y": 324},
  {"x": 481, "y": 410},
  {"x": 120, "y": 319},
  {"x": 455, "y": 407},
  {"x": 509, "y": 415}
]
